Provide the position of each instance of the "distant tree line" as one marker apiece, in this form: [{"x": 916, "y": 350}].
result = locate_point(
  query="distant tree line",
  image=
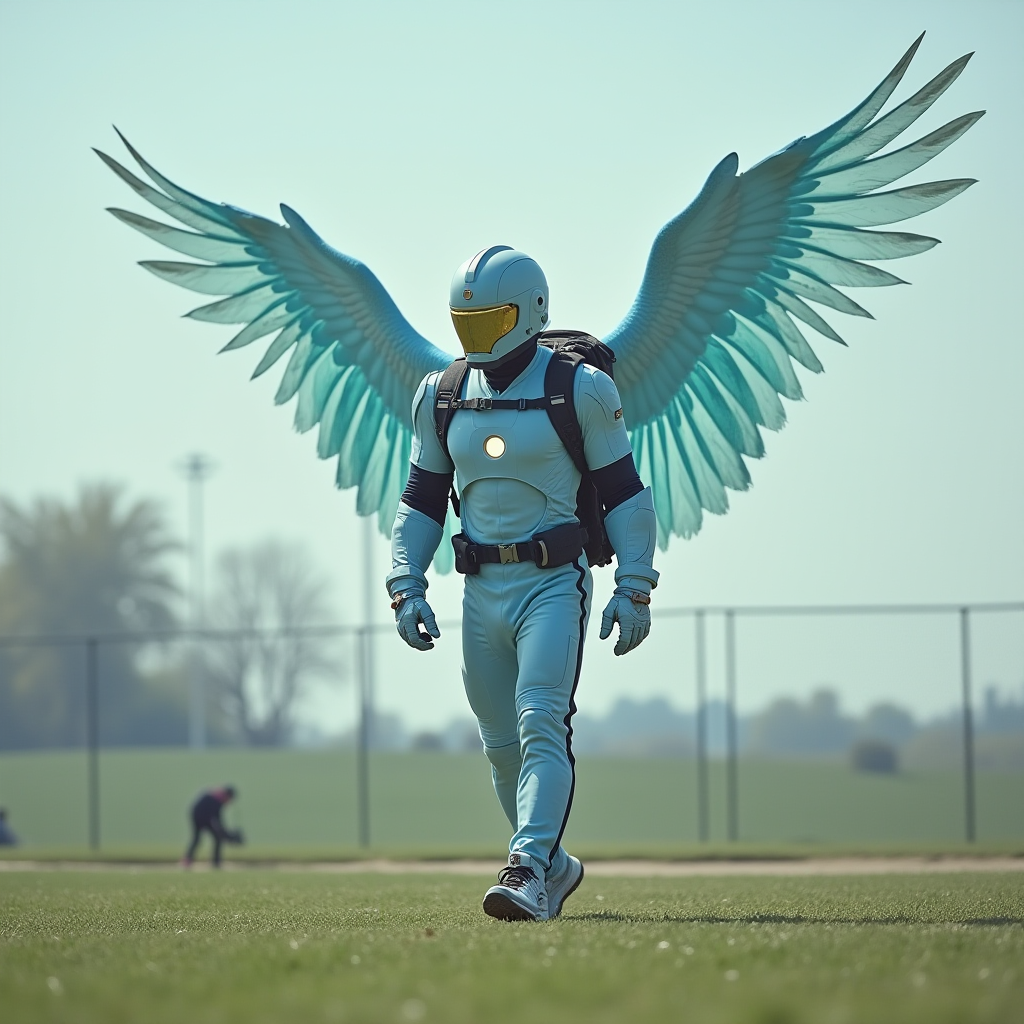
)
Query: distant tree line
[
  {"x": 813, "y": 728},
  {"x": 101, "y": 565}
]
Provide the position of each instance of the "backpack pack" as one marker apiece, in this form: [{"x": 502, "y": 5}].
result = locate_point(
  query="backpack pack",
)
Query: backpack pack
[{"x": 571, "y": 349}]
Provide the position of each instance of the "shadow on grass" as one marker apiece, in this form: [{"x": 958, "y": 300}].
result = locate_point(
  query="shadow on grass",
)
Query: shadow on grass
[{"x": 617, "y": 918}]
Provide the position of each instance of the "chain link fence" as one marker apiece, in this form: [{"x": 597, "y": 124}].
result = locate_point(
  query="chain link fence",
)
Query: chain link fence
[{"x": 356, "y": 648}]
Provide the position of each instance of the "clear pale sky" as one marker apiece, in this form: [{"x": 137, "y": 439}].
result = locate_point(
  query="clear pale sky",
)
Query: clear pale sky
[{"x": 413, "y": 135}]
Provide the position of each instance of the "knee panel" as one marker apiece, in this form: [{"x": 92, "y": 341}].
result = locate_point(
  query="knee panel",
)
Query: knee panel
[
  {"x": 538, "y": 727},
  {"x": 508, "y": 758}
]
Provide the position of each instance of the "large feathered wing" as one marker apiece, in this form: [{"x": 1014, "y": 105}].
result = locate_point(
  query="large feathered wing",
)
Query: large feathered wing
[
  {"x": 354, "y": 362},
  {"x": 709, "y": 345}
]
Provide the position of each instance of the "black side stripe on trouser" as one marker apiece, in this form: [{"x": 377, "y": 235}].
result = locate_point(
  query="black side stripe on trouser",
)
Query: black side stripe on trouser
[{"x": 572, "y": 707}]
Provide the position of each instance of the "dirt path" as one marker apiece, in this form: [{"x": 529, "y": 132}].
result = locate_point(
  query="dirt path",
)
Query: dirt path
[{"x": 595, "y": 869}]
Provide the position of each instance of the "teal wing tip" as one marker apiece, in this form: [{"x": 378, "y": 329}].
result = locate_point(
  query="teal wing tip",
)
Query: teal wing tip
[
  {"x": 914, "y": 47},
  {"x": 729, "y": 164},
  {"x": 128, "y": 145},
  {"x": 108, "y": 160},
  {"x": 291, "y": 218}
]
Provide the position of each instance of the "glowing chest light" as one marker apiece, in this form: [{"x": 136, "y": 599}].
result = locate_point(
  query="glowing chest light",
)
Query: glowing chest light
[{"x": 494, "y": 446}]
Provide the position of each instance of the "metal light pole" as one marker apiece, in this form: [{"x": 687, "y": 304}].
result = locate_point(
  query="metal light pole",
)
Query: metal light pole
[
  {"x": 92, "y": 725},
  {"x": 365, "y": 639},
  {"x": 965, "y": 680},
  {"x": 732, "y": 815},
  {"x": 371, "y": 588},
  {"x": 702, "y": 731},
  {"x": 197, "y": 469}
]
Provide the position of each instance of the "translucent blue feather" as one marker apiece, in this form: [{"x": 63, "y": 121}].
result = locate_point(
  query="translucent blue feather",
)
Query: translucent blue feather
[
  {"x": 885, "y": 207},
  {"x": 885, "y": 129},
  {"x": 796, "y": 306},
  {"x": 884, "y": 170},
  {"x": 278, "y": 347},
  {"x": 854, "y": 244},
  {"x": 711, "y": 341},
  {"x": 354, "y": 361},
  {"x": 242, "y": 308},
  {"x": 189, "y": 243},
  {"x": 228, "y": 278},
  {"x": 837, "y": 270},
  {"x": 276, "y": 316}
]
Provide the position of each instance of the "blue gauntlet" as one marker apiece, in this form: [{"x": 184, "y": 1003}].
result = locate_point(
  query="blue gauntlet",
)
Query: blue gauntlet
[
  {"x": 411, "y": 609},
  {"x": 633, "y": 617},
  {"x": 414, "y": 540},
  {"x": 632, "y": 529}
]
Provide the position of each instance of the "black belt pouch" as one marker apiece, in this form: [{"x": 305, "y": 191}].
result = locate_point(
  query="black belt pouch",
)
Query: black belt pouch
[
  {"x": 465, "y": 560},
  {"x": 558, "y": 546}
]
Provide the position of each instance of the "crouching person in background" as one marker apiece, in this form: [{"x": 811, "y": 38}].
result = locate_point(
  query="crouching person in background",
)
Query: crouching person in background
[{"x": 205, "y": 814}]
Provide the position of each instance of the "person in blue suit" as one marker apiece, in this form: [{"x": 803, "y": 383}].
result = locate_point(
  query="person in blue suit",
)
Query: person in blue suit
[{"x": 528, "y": 585}]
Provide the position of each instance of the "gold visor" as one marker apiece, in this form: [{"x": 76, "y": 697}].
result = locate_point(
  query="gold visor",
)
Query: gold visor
[{"x": 480, "y": 329}]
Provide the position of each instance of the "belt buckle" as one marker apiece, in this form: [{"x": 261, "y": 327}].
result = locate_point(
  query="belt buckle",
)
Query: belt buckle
[{"x": 507, "y": 553}]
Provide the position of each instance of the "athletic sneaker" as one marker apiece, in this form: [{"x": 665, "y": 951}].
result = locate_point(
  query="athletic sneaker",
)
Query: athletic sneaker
[
  {"x": 561, "y": 886},
  {"x": 518, "y": 896}
]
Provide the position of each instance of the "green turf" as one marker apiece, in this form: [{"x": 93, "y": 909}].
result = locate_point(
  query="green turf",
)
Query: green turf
[
  {"x": 266, "y": 946},
  {"x": 300, "y": 799}
]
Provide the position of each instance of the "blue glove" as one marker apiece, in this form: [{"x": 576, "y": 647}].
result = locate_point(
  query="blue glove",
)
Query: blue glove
[
  {"x": 411, "y": 609},
  {"x": 634, "y": 619}
]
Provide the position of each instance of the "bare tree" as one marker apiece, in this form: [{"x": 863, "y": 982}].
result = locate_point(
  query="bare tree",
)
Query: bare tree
[{"x": 260, "y": 678}]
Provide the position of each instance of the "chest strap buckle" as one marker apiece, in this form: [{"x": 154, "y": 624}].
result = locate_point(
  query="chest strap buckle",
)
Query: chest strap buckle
[{"x": 507, "y": 553}]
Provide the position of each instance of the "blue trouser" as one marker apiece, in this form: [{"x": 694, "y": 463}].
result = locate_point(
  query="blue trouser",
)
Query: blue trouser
[{"x": 522, "y": 647}]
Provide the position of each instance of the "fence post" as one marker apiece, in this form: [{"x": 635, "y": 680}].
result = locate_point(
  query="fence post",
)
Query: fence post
[
  {"x": 965, "y": 677},
  {"x": 363, "y": 746},
  {"x": 702, "y": 726},
  {"x": 732, "y": 813},
  {"x": 92, "y": 726}
]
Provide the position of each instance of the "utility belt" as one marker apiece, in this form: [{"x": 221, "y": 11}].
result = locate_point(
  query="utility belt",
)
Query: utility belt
[{"x": 558, "y": 546}]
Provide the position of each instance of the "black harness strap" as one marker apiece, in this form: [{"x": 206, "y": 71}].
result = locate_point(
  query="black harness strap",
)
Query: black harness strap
[
  {"x": 448, "y": 388},
  {"x": 557, "y": 401},
  {"x": 559, "y": 382},
  {"x": 485, "y": 404},
  {"x": 445, "y": 404}
]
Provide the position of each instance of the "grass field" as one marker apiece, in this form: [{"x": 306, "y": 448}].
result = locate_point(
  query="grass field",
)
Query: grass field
[
  {"x": 299, "y": 799},
  {"x": 261, "y": 946}
]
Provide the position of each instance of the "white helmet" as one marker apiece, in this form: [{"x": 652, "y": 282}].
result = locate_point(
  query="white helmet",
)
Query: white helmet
[{"x": 499, "y": 301}]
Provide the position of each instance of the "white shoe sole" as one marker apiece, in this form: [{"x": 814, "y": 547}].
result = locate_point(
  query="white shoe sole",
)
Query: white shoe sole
[{"x": 556, "y": 910}]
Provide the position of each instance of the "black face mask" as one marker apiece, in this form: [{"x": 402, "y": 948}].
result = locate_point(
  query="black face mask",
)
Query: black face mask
[{"x": 501, "y": 376}]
